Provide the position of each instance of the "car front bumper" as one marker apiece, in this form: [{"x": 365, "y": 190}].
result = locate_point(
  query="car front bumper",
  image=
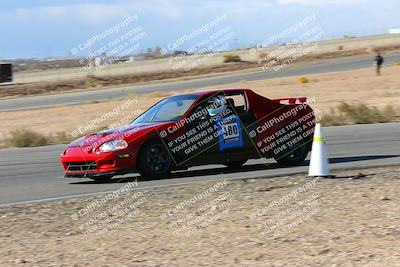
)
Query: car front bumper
[{"x": 79, "y": 163}]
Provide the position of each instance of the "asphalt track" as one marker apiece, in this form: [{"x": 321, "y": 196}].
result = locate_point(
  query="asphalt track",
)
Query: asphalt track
[
  {"x": 35, "y": 174},
  {"x": 333, "y": 65}
]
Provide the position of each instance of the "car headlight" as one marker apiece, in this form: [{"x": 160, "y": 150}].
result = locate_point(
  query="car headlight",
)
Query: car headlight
[{"x": 113, "y": 145}]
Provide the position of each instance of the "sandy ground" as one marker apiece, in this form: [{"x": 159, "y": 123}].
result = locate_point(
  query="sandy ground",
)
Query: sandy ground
[
  {"x": 351, "y": 220},
  {"x": 327, "y": 89}
]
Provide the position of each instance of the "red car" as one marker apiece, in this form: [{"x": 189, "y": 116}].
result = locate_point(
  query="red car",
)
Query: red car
[{"x": 208, "y": 127}]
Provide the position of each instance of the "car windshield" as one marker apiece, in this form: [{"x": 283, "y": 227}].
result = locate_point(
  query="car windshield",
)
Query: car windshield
[{"x": 169, "y": 109}]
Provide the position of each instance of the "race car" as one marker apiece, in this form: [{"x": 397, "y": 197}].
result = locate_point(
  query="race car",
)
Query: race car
[{"x": 227, "y": 127}]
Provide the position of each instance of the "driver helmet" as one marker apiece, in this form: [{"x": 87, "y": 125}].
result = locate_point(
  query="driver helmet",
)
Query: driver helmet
[{"x": 216, "y": 105}]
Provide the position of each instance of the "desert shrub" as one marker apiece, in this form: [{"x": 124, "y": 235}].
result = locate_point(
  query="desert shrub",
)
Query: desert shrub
[
  {"x": 27, "y": 138},
  {"x": 263, "y": 56},
  {"x": 99, "y": 129},
  {"x": 389, "y": 113},
  {"x": 91, "y": 80},
  {"x": 232, "y": 58},
  {"x": 327, "y": 120},
  {"x": 62, "y": 138},
  {"x": 340, "y": 47},
  {"x": 361, "y": 113},
  {"x": 303, "y": 80},
  {"x": 333, "y": 118},
  {"x": 358, "y": 113}
]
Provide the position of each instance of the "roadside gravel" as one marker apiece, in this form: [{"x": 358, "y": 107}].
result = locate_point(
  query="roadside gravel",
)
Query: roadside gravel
[{"x": 351, "y": 220}]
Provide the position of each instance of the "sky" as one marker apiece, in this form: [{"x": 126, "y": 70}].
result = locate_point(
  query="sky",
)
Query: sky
[{"x": 52, "y": 28}]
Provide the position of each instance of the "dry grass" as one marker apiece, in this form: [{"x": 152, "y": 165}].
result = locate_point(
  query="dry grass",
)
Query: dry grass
[
  {"x": 232, "y": 58},
  {"x": 30, "y": 138},
  {"x": 27, "y": 138},
  {"x": 62, "y": 138},
  {"x": 358, "y": 113},
  {"x": 263, "y": 56}
]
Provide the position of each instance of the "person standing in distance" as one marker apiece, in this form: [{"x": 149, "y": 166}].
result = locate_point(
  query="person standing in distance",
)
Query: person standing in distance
[{"x": 378, "y": 63}]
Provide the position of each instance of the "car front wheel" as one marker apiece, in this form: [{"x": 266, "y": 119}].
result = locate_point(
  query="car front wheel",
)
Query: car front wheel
[{"x": 154, "y": 160}]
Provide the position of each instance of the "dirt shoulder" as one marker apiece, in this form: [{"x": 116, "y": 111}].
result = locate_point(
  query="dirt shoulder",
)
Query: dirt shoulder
[{"x": 351, "y": 220}]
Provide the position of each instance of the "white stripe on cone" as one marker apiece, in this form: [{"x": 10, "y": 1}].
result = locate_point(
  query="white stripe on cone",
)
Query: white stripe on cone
[{"x": 319, "y": 165}]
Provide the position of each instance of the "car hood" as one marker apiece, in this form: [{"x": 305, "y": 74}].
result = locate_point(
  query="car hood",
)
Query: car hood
[{"x": 96, "y": 139}]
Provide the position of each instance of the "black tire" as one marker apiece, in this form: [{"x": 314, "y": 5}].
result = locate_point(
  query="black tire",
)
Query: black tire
[
  {"x": 235, "y": 164},
  {"x": 295, "y": 156},
  {"x": 102, "y": 179},
  {"x": 154, "y": 160}
]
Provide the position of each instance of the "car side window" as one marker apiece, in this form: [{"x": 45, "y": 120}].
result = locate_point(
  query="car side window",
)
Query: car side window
[
  {"x": 209, "y": 107},
  {"x": 217, "y": 104},
  {"x": 237, "y": 102},
  {"x": 200, "y": 113}
]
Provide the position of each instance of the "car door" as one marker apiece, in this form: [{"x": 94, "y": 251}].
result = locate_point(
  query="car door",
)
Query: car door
[
  {"x": 221, "y": 127},
  {"x": 202, "y": 133},
  {"x": 246, "y": 121}
]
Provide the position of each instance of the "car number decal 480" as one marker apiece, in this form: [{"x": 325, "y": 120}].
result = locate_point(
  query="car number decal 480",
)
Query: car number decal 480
[{"x": 230, "y": 133}]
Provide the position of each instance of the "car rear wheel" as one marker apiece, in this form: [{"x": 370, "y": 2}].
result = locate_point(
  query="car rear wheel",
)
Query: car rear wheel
[
  {"x": 235, "y": 164},
  {"x": 295, "y": 156},
  {"x": 154, "y": 160}
]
